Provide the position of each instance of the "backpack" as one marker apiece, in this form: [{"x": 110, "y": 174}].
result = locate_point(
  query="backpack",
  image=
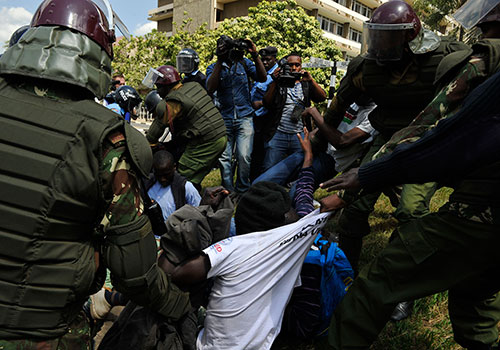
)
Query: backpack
[{"x": 326, "y": 276}]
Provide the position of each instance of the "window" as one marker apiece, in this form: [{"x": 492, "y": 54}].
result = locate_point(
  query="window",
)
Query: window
[
  {"x": 329, "y": 25},
  {"x": 340, "y": 2},
  {"x": 355, "y": 35},
  {"x": 361, "y": 9}
]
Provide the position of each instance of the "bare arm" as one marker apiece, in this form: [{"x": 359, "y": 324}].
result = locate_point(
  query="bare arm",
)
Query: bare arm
[
  {"x": 317, "y": 92},
  {"x": 336, "y": 138},
  {"x": 188, "y": 273}
]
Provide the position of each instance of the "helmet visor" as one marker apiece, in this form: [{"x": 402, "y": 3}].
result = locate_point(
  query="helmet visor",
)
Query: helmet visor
[
  {"x": 384, "y": 42},
  {"x": 106, "y": 9},
  {"x": 474, "y": 11},
  {"x": 151, "y": 78},
  {"x": 185, "y": 63}
]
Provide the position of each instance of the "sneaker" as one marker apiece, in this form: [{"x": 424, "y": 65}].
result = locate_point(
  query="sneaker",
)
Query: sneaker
[{"x": 99, "y": 307}]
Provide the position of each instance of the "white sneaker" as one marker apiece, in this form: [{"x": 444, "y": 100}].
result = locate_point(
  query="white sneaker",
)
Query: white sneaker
[{"x": 99, "y": 307}]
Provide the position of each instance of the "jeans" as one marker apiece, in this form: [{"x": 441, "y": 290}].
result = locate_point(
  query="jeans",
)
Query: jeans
[
  {"x": 239, "y": 139},
  {"x": 288, "y": 169},
  {"x": 280, "y": 146}
]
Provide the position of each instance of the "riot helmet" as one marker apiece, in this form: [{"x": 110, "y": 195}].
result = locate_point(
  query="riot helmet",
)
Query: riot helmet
[
  {"x": 163, "y": 75},
  {"x": 151, "y": 101},
  {"x": 14, "y": 38},
  {"x": 477, "y": 12},
  {"x": 94, "y": 18},
  {"x": 127, "y": 98},
  {"x": 187, "y": 61},
  {"x": 392, "y": 26}
]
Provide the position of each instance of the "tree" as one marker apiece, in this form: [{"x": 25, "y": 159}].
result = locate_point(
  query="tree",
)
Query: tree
[
  {"x": 283, "y": 24},
  {"x": 435, "y": 13}
]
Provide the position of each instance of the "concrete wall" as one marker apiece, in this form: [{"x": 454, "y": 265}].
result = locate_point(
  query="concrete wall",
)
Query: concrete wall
[
  {"x": 238, "y": 8},
  {"x": 164, "y": 2},
  {"x": 200, "y": 11},
  {"x": 165, "y": 25}
]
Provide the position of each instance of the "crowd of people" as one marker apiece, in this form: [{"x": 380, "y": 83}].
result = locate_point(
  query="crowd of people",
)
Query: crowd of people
[{"x": 95, "y": 214}]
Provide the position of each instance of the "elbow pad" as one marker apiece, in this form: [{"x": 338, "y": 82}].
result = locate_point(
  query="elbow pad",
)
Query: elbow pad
[
  {"x": 130, "y": 252},
  {"x": 155, "y": 131}
]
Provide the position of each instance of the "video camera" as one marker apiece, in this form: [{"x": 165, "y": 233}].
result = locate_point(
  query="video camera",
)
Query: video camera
[
  {"x": 236, "y": 47},
  {"x": 287, "y": 78}
]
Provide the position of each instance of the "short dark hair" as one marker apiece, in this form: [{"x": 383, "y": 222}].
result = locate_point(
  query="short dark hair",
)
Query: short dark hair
[
  {"x": 293, "y": 53},
  {"x": 163, "y": 158},
  {"x": 118, "y": 75}
]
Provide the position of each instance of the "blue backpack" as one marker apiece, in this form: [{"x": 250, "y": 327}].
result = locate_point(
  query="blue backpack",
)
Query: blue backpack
[{"x": 326, "y": 276}]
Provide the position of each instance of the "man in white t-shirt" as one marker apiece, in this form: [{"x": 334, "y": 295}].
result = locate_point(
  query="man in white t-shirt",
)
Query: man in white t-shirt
[{"x": 254, "y": 272}]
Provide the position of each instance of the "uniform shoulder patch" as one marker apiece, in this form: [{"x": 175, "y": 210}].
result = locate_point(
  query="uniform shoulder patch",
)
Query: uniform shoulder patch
[{"x": 116, "y": 137}]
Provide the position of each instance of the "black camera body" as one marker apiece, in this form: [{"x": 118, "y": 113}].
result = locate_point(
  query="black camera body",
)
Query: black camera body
[
  {"x": 287, "y": 78},
  {"x": 236, "y": 47}
]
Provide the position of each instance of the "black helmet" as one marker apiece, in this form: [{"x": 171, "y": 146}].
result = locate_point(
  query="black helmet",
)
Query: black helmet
[
  {"x": 151, "y": 101},
  {"x": 127, "y": 98},
  {"x": 187, "y": 61},
  {"x": 110, "y": 98},
  {"x": 14, "y": 38}
]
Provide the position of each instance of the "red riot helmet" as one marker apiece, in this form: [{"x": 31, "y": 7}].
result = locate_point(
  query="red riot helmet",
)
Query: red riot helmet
[
  {"x": 92, "y": 18},
  {"x": 392, "y": 26},
  {"x": 170, "y": 75}
]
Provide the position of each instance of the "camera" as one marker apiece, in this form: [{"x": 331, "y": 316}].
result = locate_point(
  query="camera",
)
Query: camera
[
  {"x": 236, "y": 47},
  {"x": 287, "y": 78}
]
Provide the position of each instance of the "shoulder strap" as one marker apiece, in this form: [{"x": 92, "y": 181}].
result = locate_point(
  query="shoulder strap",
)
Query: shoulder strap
[{"x": 179, "y": 190}]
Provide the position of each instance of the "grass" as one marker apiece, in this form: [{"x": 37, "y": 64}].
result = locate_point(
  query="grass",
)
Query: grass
[{"x": 429, "y": 326}]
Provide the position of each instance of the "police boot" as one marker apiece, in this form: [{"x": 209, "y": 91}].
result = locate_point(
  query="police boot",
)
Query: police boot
[{"x": 402, "y": 311}]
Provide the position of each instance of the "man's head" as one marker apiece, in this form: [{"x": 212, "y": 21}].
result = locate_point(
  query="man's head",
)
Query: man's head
[
  {"x": 170, "y": 77},
  {"x": 482, "y": 13},
  {"x": 386, "y": 35},
  {"x": 117, "y": 80},
  {"x": 127, "y": 98},
  {"x": 268, "y": 56},
  {"x": 164, "y": 167},
  {"x": 264, "y": 206},
  {"x": 294, "y": 61}
]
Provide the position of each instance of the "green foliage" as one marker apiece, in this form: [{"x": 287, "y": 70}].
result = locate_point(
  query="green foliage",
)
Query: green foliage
[
  {"x": 433, "y": 12},
  {"x": 283, "y": 24}
]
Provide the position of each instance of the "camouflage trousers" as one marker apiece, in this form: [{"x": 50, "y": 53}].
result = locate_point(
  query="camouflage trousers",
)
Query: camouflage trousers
[{"x": 78, "y": 337}]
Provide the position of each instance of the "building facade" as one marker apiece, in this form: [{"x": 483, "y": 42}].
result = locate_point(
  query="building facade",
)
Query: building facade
[{"x": 340, "y": 20}]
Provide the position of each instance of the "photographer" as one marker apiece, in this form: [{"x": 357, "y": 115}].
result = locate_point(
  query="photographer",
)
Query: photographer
[
  {"x": 230, "y": 77},
  {"x": 287, "y": 97}
]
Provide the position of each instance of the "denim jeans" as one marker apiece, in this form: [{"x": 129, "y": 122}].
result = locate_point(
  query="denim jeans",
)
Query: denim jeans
[
  {"x": 239, "y": 139},
  {"x": 288, "y": 169},
  {"x": 279, "y": 147}
]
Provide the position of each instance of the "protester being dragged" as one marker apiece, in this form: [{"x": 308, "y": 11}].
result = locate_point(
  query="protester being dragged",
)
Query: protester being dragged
[
  {"x": 187, "y": 63},
  {"x": 270, "y": 242},
  {"x": 287, "y": 97},
  {"x": 127, "y": 99},
  {"x": 260, "y": 125},
  {"x": 192, "y": 118},
  {"x": 347, "y": 143},
  {"x": 230, "y": 77}
]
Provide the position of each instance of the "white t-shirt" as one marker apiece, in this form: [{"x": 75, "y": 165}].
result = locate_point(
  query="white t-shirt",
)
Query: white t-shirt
[
  {"x": 255, "y": 275},
  {"x": 355, "y": 117}
]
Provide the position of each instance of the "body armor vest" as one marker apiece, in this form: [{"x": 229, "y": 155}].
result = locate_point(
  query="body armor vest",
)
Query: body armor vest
[
  {"x": 49, "y": 176},
  {"x": 399, "y": 104},
  {"x": 200, "y": 120}
]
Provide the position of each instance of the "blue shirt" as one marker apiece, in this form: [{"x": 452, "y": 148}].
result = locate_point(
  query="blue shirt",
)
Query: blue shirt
[
  {"x": 233, "y": 92},
  {"x": 164, "y": 197},
  {"x": 118, "y": 110},
  {"x": 260, "y": 89}
]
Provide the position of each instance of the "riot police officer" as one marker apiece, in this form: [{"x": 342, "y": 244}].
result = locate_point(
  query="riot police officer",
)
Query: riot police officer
[
  {"x": 70, "y": 206},
  {"x": 187, "y": 64}
]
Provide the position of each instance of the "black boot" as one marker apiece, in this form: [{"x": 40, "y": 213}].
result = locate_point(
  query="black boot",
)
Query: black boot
[{"x": 402, "y": 311}]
